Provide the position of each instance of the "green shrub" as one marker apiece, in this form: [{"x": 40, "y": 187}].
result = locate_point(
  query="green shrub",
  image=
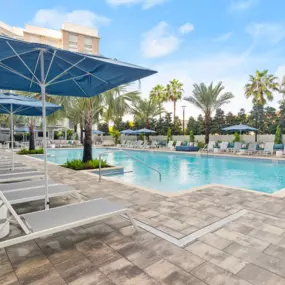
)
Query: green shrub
[
  {"x": 236, "y": 137},
  {"x": 200, "y": 144},
  {"x": 169, "y": 135},
  {"x": 115, "y": 134},
  {"x": 78, "y": 164},
  {"x": 25, "y": 151},
  {"x": 191, "y": 137},
  {"x": 278, "y": 136}
]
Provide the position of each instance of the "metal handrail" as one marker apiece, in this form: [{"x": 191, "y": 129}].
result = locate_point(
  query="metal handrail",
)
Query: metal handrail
[{"x": 121, "y": 150}]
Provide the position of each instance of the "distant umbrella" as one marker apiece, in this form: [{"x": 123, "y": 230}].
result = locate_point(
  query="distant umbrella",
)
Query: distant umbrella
[
  {"x": 240, "y": 128},
  {"x": 97, "y": 132},
  {"x": 127, "y": 132},
  {"x": 144, "y": 131}
]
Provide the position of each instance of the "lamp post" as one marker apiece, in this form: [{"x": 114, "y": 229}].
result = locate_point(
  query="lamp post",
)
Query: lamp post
[{"x": 183, "y": 107}]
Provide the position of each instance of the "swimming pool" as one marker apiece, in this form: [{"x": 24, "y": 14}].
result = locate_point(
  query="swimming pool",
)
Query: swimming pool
[{"x": 183, "y": 172}]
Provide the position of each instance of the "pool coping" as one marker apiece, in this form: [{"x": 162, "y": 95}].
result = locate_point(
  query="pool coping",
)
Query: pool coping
[{"x": 279, "y": 193}]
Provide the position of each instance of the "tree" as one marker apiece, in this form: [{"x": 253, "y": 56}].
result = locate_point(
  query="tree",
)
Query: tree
[
  {"x": 218, "y": 121},
  {"x": 242, "y": 117},
  {"x": 200, "y": 125},
  {"x": 191, "y": 125},
  {"x": 117, "y": 103},
  {"x": 158, "y": 93},
  {"x": 260, "y": 88},
  {"x": 231, "y": 119},
  {"x": 236, "y": 137},
  {"x": 174, "y": 91},
  {"x": 278, "y": 136},
  {"x": 208, "y": 99},
  {"x": 144, "y": 110},
  {"x": 282, "y": 115},
  {"x": 270, "y": 120},
  {"x": 169, "y": 135},
  {"x": 177, "y": 127}
]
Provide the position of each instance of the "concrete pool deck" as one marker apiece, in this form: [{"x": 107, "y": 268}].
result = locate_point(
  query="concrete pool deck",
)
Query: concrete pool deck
[{"x": 245, "y": 244}]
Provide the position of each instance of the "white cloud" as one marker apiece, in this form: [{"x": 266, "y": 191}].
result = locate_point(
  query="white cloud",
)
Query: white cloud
[
  {"x": 146, "y": 4},
  {"x": 241, "y": 5},
  {"x": 223, "y": 37},
  {"x": 159, "y": 41},
  {"x": 271, "y": 33},
  {"x": 54, "y": 18},
  {"x": 186, "y": 28}
]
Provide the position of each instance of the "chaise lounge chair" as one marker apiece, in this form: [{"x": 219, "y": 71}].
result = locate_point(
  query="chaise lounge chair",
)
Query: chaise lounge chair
[
  {"x": 12, "y": 177},
  {"x": 224, "y": 147},
  {"x": 268, "y": 149},
  {"x": 251, "y": 149},
  {"x": 209, "y": 147},
  {"x": 236, "y": 148},
  {"x": 60, "y": 218}
]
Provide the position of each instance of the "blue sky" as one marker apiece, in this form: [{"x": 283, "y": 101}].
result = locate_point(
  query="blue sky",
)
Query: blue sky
[{"x": 191, "y": 40}]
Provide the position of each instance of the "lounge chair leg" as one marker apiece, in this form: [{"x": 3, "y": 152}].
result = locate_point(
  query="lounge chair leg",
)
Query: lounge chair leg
[{"x": 132, "y": 221}]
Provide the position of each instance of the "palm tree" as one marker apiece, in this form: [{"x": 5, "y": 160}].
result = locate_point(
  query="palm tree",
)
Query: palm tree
[
  {"x": 174, "y": 91},
  {"x": 260, "y": 88},
  {"x": 146, "y": 109},
  {"x": 118, "y": 103},
  {"x": 209, "y": 99},
  {"x": 158, "y": 93},
  {"x": 90, "y": 110}
]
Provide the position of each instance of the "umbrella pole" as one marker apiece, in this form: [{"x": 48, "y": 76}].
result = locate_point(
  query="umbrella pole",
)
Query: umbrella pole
[
  {"x": 12, "y": 134},
  {"x": 43, "y": 91}
]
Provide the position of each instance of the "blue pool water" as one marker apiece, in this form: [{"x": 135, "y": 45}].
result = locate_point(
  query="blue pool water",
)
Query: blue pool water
[{"x": 183, "y": 172}]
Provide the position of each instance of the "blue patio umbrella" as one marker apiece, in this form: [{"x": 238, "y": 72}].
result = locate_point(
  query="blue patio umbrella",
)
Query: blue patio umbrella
[
  {"x": 24, "y": 130},
  {"x": 240, "y": 128},
  {"x": 127, "y": 132},
  {"x": 34, "y": 67},
  {"x": 144, "y": 131},
  {"x": 13, "y": 104},
  {"x": 97, "y": 132}
]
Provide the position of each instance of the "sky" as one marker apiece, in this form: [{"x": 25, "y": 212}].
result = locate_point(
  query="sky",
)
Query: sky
[{"x": 190, "y": 40}]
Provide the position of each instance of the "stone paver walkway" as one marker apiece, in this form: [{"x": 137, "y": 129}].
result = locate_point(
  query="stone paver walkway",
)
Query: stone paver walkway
[{"x": 249, "y": 250}]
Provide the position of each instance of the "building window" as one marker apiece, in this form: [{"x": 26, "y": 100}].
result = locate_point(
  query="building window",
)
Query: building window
[
  {"x": 88, "y": 45},
  {"x": 72, "y": 42},
  {"x": 35, "y": 39}
]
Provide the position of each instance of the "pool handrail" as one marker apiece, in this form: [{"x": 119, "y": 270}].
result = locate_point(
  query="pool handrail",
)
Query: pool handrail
[{"x": 121, "y": 150}]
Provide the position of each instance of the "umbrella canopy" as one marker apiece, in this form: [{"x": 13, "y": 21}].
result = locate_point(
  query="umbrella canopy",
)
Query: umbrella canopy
[
  {"x": 27, "y": 66},
  {"x": 22, "y": 105},
  {"x": 34, "y": 67},
  {"x": 24, "y": 130},
  {"x": 240, "y": 128},
  {"x": 128, "y": 132},
  {"x": 97, "y": 132},
  {"x": 144, "y": 131}
]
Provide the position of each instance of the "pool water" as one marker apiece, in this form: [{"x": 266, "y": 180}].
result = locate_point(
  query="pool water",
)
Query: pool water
[{"x": 183, "y": 172}]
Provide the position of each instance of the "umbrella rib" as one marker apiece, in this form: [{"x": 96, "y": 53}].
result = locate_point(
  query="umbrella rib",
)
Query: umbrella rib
[
  {"x": 35, "y": 69},
  {"x": 83, "y": 70},
  {"x": 50, "y": 65},
  {"x": 68, "y": 79},
  {"x": 65, "y": 71},
  {"x": 16, "y": 72},
  {"x": 23, "y": 62},
  {"x": 9, "y": 57}
]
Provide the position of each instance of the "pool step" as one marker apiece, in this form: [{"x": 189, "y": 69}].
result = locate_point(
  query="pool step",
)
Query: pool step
[{"x": 114, "y": 173}]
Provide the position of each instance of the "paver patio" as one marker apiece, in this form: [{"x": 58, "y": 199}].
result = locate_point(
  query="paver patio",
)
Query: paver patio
[{"x": 248, "y": 250}]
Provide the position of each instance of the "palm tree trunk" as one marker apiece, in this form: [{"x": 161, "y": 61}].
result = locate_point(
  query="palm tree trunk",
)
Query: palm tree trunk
[
  {"x": 87, "y": 146},
  {"x": 81, "y": 133},
  {"x": 32, "y": 137},
  {"x": 207, "y": 128},
  {"x": 174, "y": 110}
]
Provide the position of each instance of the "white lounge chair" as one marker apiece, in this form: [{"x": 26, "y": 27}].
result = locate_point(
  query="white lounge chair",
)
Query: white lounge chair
[
  {"x": 251, "y": 149},
  {"x": 268, "y": 149},
  {"x": 25, "y": 185},
  {"x": 178, "y": 143},
  {"x": 224, "y": 147},
  {"x": 170, "y": 144},
  {"x": 236, "y": 148},
  {"x": 12, "y": 177},
  {"x": 209, "y": 147},
  {"x": 42, "y": 223}
]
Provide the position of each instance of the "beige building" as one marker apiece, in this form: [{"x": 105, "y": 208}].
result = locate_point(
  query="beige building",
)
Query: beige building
[{"x": 70, "y": 37}]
